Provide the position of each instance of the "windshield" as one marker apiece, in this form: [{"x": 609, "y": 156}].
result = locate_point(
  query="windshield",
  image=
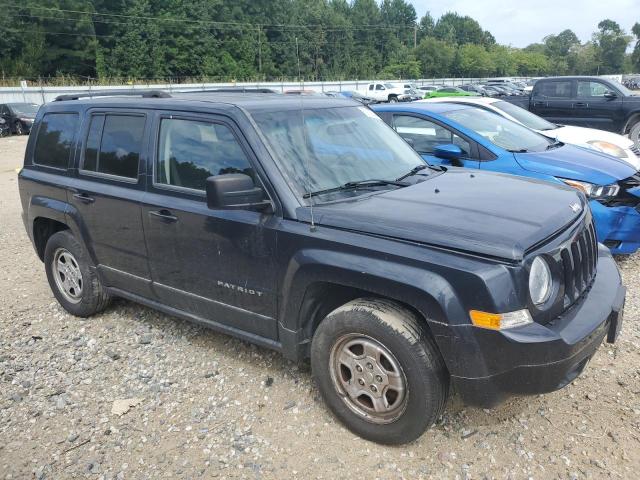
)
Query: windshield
[
  {"x": 525, "y": 117},
  {"x": 24, "y": 109},
  {"x": 498, "y": 130},
  {"x": 624, "y": 90},
  {"x": 389, "y": 85},
  {"x": 338, "y": 145}
]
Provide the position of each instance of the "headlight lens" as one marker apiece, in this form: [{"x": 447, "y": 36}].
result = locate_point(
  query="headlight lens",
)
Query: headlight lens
[
  {"x": 594, "y": 191},
  {"x": 606, "y": 147},
  {"x": 539, "y": 281}
]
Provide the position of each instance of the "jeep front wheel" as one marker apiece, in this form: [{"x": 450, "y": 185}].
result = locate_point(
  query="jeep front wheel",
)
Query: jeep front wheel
[
  {"x": 74, "y": 284},
  {"x": 379, "y": 371}
]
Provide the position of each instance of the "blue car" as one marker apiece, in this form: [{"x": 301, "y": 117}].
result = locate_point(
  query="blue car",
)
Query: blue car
[{"x": 466, "y": 136}]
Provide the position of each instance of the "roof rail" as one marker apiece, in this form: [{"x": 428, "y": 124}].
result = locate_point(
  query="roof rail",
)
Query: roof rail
[
  {"x": 230, "y": 90},
  {"x": 114, "y": 93}
]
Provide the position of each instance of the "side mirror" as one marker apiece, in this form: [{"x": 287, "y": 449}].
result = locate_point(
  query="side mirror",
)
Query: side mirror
[
  {"x": 610, "y": 94},
  {"x": 448, "y": 151},
  {"x": 234, "y": 191}
]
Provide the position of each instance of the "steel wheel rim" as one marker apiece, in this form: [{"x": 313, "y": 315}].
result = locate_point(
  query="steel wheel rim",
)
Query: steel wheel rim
[
  {"x": 67, "y": 275},
  {"x": 368, "y": 378}
]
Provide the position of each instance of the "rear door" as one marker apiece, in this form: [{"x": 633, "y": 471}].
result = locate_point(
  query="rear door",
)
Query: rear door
[
  {"x": 553, "y": 100},
  {"x": 107, "y": 192},
  {"x": 215, "y": 264},
  {"x": 424, "y": 134},
  {"x": 593, "y": 109}
]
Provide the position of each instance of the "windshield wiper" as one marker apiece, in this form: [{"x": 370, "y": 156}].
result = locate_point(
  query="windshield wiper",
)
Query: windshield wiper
[
  {"x": 413, "y": 171},
  {"x": 354, "y": 185},
  {"x": 522, "y": 150}
]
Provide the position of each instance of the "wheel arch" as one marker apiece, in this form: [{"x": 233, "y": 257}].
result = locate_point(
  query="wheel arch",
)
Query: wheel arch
[
  {"x": 313, "y": 290},
  {"x": 631, "y": 121}
]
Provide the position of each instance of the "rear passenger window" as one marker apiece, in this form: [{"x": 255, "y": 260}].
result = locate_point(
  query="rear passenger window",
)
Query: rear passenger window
[
  {"x": 559, "y": 89},
  {"x": 114, "y": 143},
  {"x": 54, "y": 143},
  {"x": 190, "y": 151}
]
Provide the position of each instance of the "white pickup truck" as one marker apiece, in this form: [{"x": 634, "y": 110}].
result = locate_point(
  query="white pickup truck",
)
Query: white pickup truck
[{"x": 387, "y": 92}]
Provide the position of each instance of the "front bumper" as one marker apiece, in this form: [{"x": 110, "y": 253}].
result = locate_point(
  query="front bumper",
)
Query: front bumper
[
  {"x": 541, "y": 358},
  {"x": 617, "y": 227}
]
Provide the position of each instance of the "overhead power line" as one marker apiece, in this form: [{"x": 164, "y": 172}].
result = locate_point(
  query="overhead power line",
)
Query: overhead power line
[{"x": 213, "y": 22}]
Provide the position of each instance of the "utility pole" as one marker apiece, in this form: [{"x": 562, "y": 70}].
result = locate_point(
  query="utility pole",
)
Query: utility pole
[{"x": 259, "y": 49}]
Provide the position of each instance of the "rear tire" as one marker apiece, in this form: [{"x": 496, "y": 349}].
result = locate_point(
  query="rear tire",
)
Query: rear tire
[
  {"x": 634, "y": 133},
  {"x": 379, "y": 371},
  {"x": 73, "y": 282}
]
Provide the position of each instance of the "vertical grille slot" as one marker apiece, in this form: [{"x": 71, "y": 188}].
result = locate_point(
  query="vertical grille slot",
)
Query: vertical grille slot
[{"x": 579, "y": 261}]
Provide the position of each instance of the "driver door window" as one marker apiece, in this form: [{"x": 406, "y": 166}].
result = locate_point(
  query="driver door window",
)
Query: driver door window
[
  {"x": 190, "y": 151},
  {"x": 379, "y": 87},
  {"x": 591, "y": 89},
  {"x": 426, "y": 135}
]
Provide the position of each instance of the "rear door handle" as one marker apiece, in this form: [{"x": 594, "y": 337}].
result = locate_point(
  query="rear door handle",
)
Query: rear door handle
[
  {"x": 84, "y": 198},
  {"x": 538, "y": 104},
  {"x": 164, "y": 215}
]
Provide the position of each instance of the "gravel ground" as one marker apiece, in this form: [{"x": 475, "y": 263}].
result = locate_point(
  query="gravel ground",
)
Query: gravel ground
[{"x": 207, "y": 405}]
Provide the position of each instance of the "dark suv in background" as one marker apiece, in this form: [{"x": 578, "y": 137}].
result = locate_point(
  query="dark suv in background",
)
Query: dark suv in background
[
  {"x": 19, "y": 116},
  {"x": 308, "y": 226}
]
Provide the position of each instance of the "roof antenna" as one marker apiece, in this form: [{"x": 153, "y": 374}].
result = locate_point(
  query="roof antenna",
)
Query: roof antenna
[{"x": 306, "y": 144}]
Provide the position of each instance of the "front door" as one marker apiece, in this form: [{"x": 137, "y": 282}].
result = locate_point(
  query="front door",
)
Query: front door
[
  {"x": 596, "y": 110},
  {"x": 424, "y": 135},
  {"x": 217, "y": 265}
]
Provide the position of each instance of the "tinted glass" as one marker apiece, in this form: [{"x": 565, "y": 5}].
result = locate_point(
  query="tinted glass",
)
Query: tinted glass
[
  {"x": 93, "y": 143},
  {"x": 426, "y": 135},
  {"x": 190, "y": 151},
  {"x": 327, "y": 147},
  {"x": 561, "y": 89},
  {"x": 498, "y": 130},
  {"x": 55, "y": 139},
  {"x": 120, "y": 139},
  {"x": 591, "y": 89}
]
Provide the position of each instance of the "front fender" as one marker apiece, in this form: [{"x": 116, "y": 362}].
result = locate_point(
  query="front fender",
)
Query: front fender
[{"x": 427, "y": 292}]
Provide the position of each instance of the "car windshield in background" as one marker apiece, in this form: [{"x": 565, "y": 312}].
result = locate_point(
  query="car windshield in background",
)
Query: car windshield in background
[
  {"x": 24, "y": 109},
  {"x": 338, "y": 146},
  {"x": 525, "y": 117},
  {"x": 624, "y": 90},
  {"x": 389, "y": 85},
  {"x": 498, "y": 130}
]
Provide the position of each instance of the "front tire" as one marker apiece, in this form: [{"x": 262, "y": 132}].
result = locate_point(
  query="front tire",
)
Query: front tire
[
  {"x": 75, "y": 285},
  {"x": 19, "y": 128},
  {"x": 379, "y": 371},
  {"x": 393, "y": 99}
]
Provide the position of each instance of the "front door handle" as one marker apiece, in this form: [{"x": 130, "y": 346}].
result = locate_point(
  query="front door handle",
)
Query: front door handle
[
  {"x": 84, "y": 198},
  {"x": 581, "y": 104},
  {"x": 164, "y": 215},
  {"x": 538, "y": 104}
]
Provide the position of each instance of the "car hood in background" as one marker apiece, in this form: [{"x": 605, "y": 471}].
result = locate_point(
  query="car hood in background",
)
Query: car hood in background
[
  {"x": 482, "y": 213},
  {"x": 576, "y": 163},
  {"x": 581, "y": 135}
]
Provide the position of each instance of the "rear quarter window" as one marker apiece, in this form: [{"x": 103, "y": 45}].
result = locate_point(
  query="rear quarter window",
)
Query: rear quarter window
[{"x": 54, "y": 143}]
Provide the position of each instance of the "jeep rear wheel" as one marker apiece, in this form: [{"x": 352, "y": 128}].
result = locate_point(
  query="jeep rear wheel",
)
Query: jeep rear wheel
[
  {"x": 379, "y": 370},
  {"x": 74, "y": 284}
]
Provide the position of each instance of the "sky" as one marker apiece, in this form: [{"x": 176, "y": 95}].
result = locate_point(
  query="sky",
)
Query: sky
[{"x": 520, "y": 23}]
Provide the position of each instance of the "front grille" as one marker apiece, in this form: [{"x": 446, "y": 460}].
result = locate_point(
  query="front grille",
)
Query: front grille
[{"x": 579, "y": 260}]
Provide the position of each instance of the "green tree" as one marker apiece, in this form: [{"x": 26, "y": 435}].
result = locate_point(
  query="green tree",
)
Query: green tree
[
  {"x": 436, "y": 57},
  {"x": 474, "y": 61},
  {"x": 635, "y": 55},
  {"x": 612, "y": 43}
]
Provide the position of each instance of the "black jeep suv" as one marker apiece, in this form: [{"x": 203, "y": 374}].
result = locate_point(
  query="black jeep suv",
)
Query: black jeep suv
[{"x": 310, "y": 227}]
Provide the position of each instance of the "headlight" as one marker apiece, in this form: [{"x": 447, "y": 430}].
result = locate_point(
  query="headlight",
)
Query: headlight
[
  {"x": 609, "y": 148},
  {"x": 26, "y": 120},
  {"x": 594, "y": 191},
  {"x": 539, "y": 281}
]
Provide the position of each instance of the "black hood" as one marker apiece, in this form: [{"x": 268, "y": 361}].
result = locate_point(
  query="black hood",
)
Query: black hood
[{"x": 484, "y": 213}]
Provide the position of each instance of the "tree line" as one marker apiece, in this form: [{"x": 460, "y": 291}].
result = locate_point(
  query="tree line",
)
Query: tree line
[{"x": 261, "y": 40}]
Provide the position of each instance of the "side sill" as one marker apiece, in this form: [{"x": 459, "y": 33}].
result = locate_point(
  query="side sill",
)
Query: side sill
[{"x": 218, "y": 327}]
